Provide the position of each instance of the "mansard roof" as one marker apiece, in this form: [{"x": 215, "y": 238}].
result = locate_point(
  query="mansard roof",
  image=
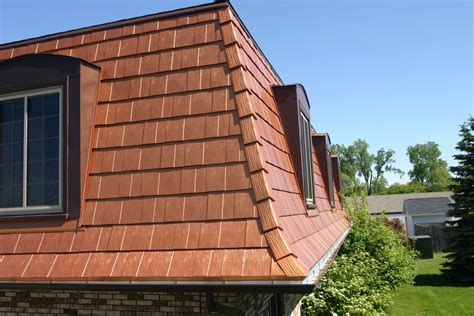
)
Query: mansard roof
[{"x": 189, "y": 174}]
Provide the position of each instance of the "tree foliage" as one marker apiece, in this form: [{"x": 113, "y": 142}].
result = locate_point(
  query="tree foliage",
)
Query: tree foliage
[
  {"x": 356, "y": 161},
  {"x": 363, "y": 172},
  {"x": 410, "y": 187},
  {"x": 428, "y": 168},
  {"x": 371, "y": 263},
  {"x": 351, "y": 286},
  {"x": 383, "y": 162},
  {"x": 461, "y": 261},
  {"x": 350, "y": 183}
]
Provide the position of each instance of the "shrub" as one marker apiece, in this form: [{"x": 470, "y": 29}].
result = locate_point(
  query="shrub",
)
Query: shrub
[
  {"x": 398, "y": 226},
  {"x": 351, "y": 286},
  {"x": 371, "y": 263},
  {"x": 383, "y": 244}
]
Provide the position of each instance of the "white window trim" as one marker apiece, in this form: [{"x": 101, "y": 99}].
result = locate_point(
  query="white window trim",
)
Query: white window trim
[{"x": 25, "y": 210}]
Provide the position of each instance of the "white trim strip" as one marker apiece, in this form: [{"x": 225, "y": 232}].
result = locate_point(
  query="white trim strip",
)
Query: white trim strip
[
  {"x": 171, "y": 282},
  {"x": 316, "y": 271}
]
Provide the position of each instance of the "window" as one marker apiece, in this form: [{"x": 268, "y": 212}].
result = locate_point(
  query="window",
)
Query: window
[
  {"x": 322, "y": 146},
  {"x": 30, "y": 151},
  {"x": 306, "y": 159},
  {"x": 44, "y": 170},
  {"x": 336, "y": 171}
]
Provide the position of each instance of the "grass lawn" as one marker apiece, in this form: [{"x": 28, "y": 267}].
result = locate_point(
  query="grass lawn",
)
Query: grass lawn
[{"x": 433, "y": 293}]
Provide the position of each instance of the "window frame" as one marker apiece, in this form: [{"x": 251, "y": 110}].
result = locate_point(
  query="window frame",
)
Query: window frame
[
  {"x": 331, "y": 192},
  {"x": 25, "y": 209},
  {"x": 306, "y": 158}
]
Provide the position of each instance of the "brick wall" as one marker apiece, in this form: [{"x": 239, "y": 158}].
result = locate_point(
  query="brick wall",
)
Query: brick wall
[{"x": 51, "y": 302}]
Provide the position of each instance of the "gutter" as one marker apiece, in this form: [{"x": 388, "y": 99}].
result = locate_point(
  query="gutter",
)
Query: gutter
[
  {"x": 276, "y": 287},
  {"x": 319, "y": 269}
]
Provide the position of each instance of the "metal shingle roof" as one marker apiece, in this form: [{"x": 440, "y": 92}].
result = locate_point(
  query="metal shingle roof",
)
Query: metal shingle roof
[{"x": 189, "y": 175}]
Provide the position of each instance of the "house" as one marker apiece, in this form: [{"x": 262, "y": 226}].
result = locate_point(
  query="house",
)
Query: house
[
  {"x": 160, "y": 165},
  {"x": 413, "y": 209}
]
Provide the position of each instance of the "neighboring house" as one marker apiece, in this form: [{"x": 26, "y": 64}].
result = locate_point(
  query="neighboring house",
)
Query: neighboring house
[
  {"x": 159, "y": 164},
  {"x": 412, "y": 208}
]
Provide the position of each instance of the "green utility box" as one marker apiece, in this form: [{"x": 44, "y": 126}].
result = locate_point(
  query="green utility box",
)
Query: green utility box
[{"x": 424, "y": 245}]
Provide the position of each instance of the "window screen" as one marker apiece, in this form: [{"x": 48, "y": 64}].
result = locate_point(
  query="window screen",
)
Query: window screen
[{"x": 30, "y": 151}]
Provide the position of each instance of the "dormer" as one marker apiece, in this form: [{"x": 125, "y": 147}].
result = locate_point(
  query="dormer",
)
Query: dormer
[
  {"x": 47, "y": 105},
  {"x": 295, "y": 114},
  {"x": 336, "y": 171},
  {"x": 322, "y": 146}
]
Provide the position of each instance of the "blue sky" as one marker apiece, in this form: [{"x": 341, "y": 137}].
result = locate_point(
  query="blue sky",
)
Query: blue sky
[{"x": 394, "y": 72}]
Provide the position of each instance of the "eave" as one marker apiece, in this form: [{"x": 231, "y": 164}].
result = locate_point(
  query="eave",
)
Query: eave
[{"x": 289, "y": 287}]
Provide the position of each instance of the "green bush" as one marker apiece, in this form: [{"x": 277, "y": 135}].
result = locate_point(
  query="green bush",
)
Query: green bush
[
  {"x": 371, "y": 263},
  {"x": 383, "y": 244},
  {"x": 351, "y": 286}
]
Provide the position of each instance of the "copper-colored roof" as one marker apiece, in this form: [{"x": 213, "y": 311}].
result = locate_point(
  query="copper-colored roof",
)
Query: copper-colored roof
[{"x": 190, "y": 176}]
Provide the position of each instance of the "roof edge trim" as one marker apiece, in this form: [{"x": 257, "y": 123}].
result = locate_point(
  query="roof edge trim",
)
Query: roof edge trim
[
  {"x": 293, "y": 287},
  {"x": 253, "y": 39},
  {"x": 123, "y": 22},
  {"x": 319, "y": 269},
  {"x": 279, "y": 248}
]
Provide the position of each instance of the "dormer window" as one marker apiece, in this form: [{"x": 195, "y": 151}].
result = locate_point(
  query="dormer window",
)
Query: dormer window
[
  {"x": 30, "y": 151},
  {"x": 306, "y": 159},
  {"x": 330, "y": 175},
  {"x": 336, "y": 172},
  {"x": 295, "y": 113},
  {"x": 47, "y": 105},
  {"x": 322, "y": 146}
]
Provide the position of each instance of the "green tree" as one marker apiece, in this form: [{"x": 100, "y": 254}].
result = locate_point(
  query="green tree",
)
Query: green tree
[
  {"x": 411, "y": 187},
  {"x": 380, "y": 186},
  {"x": 441, "y": 178},
  {"x": 428, "y": 168},
  {"x": 350, "y": 183},
  {"x": 383, "y": 162},
  {"x": 347, "y": 160},
  {"x": 461, "y": 260},
  {"x": 357, "y": 162},
  {"x": 363, "y": 162}
]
